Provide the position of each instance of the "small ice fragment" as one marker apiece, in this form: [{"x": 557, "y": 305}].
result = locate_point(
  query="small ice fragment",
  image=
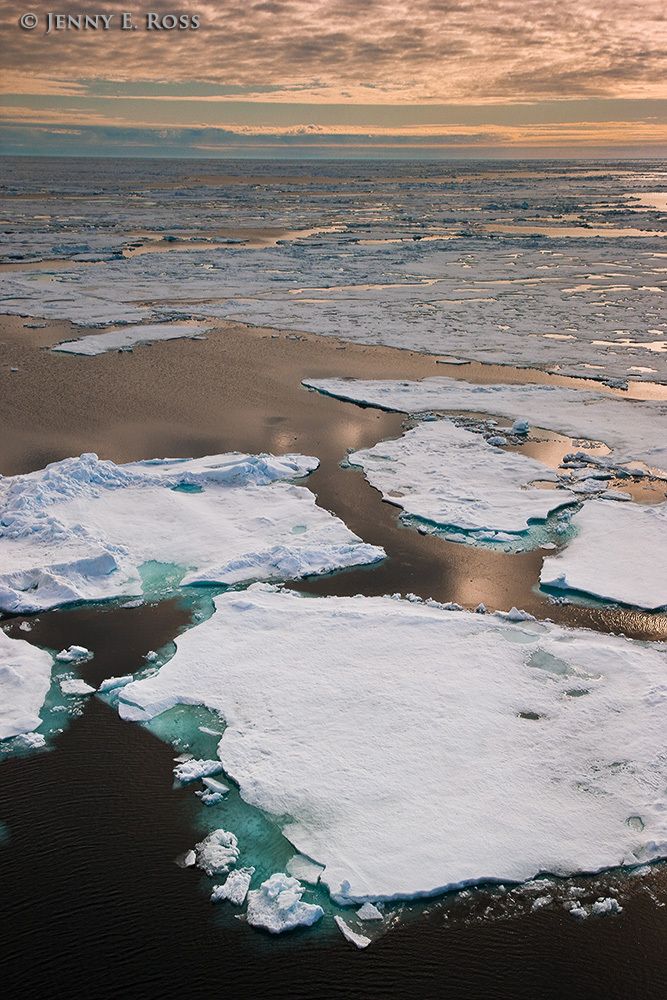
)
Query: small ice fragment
[
  {"x": 192, "y": 770},
  {"x": 150, "y": 656},
  {"x": 189, "y": 859},
  {"x": 602, "y": 907},
  {"x": 74, "y": 685},
  {"x": 74, "y": 654},
  {"x": 209, "y": 732},
  {"x": 514, "y": 615},
  {"x": 235, "y": 888},
  {"x": 304, "y": 869},
  {"x": 276, "y": 905},
  {"x": 497, "y": 440},
  {"x": 520, "y": 426},
  {"x": 577, "y": 911},
  {"x": 541, "y": 902},
  {"x": 480, "y": 609},
  {"x": 25, "y": 627},
  {"x": 369, "y": 911},
  {"x": 112, "y": 683},
  {"x": 215, "y": 786},
  {"x": 218, "y": 852},
  {"x": 358, "y": 940}
]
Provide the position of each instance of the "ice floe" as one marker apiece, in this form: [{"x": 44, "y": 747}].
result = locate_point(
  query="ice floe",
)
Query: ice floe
[
  {"x": 358, "y": 940},
  {"x": 618, "y": 554},
  {"x": 492, "y": 750},
  {"x": 634, "y": 430},
  {"x": 126, "y": 337},
  {"x": 25, "y": 678},
  {"x": 81, "y": 529},
  {"x": 235, "y": 887},
  {"x": 451, "y": 477},
  {"x": 74, "y": 685},
  {"x": 218, "y": 852},
  {"x": 277, "y": 905},
  {"x": 193, "y": 770},
  {"x": 75, "y": 654}
]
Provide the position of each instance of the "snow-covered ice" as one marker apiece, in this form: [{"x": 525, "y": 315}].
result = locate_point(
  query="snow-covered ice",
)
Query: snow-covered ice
[
  {"x": 451, "y": 477},
  {"x": 490, "y": 748},
  {"x": 75, "y": 654},
  {"x": 369, "y": 911},
  {"x": 235, "y": 887},
  {"x": 126, "y": 337},
  {"x": 81, "y": 529},
  {"x": 25, "y": 678},
  {"x": 358, "y": 940},
  {"x": 218, "y": 852},
  {"x": 193, "y": 770},
  {"x": 304, "y": 869},
  {"x": 277, "y": 905},
  {"x": 618, "y": 554},
  {"x": 115, "y": 683},
  {"x": 74, "y": 685},
  {"x": 634, "y": 430}
]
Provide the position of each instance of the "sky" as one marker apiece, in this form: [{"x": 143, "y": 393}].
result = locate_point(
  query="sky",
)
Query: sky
[{"x": 323, "y": 78}]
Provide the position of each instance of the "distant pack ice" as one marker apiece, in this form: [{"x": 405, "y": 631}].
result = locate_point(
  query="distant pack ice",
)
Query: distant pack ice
[
  {"x": 418, "y": 749},
  {"x": 81, "y": 529}
]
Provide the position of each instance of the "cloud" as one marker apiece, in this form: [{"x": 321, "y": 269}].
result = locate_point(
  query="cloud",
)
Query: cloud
[{"x": 397, "y": 50}]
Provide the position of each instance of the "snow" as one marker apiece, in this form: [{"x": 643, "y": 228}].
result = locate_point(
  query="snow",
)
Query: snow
[
  {"x": 451, "y": 477},
  {"x": 218, "y": 852},
  {"x": 476, "y": 763},
  {"x": 74, "y": 685},
  {"x": 80, "y": 529},
  {"x": 277, "y": 906},
  {"x": 75, "y": 654},
  {"x": 369, "y": 911},
  {"x": 235, "y": 887},
  {"x": 618, "y": 554},
  {"x": 25, "y": 678},
  {"x": 358, "y": 940},
  {"x": 634, "y": 430},
  {"x": 126, "y": 337},
  {"x": 192, "y": 770}
]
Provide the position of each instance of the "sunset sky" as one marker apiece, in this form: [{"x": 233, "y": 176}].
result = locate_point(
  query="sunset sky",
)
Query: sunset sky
[{"x": 351, "y": 78}]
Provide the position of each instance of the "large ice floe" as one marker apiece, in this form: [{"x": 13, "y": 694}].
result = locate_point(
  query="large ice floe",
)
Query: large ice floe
[
  {"x": 417, "y": 749},
  {"x": 81, "y": 529},
  {"x": 452, "y": 477},
  {"x": 618, "y": 554},
  {"x": 25, "y": 678},
  {"x": 634, "y": 430}
]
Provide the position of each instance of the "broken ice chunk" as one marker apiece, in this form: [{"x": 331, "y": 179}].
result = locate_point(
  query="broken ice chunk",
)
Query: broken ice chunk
[
  {"x": 193, "y": 770},
  {"x": 218, "y": 852},
  {"x": 235, "y": 888},
  {"x": 74, "y": 654},
  {"x": 369, "y": 911},
  {"x": 358, "y": 940},
  {"x": 276, "y": 905},
  {"x": 74, "y": 685}
]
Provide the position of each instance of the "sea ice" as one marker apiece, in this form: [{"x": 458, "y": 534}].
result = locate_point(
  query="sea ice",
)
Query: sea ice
[
  {"x": 80, "y": 529},
  {"x": 114, "y": 683},
  {"x": 618, "y": 554},
  {"x": 358, "y": 940},
  {"x": 277, "y": 906},
  {"x": 369, "y": 911},
  {"x": 477, "y": 760},
  {"x": 192, "y": 770},
  {"x": 635, "y": 430},
  {"x": 74, "y": 685},
  {"x": 25, "y": 678},
  {"x": 304, "y": 869},
  {"x": 127, "y": 336},
  {"x": 218, "y": 852},
  {"x": 451, "y": 477},
  {"x": 75, "y": 654},
  {"x": 235, "y": 887},
  {"x": 604, "y": 906}
]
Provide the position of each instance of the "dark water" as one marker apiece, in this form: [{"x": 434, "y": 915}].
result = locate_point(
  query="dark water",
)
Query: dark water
[{"x": 91, "y": 902}]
